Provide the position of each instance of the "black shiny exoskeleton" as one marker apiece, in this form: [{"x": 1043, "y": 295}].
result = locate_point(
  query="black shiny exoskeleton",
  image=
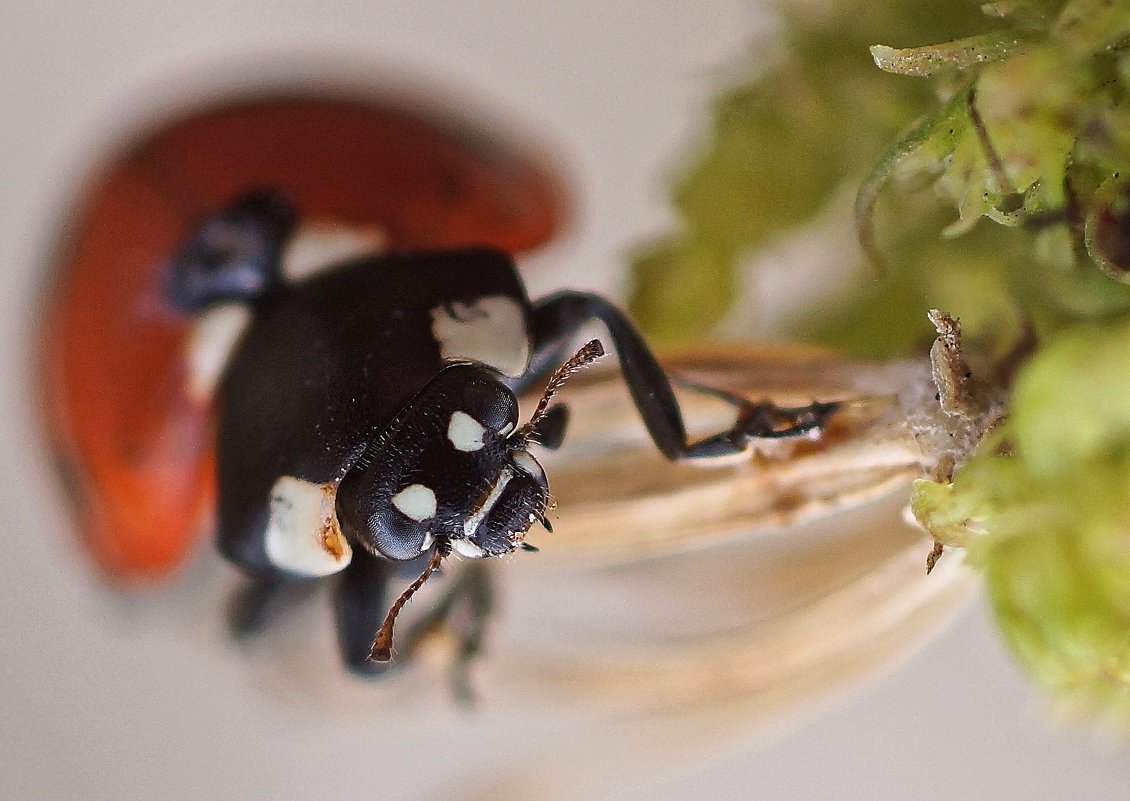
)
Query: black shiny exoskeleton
[{"x": 368, "y": 417}]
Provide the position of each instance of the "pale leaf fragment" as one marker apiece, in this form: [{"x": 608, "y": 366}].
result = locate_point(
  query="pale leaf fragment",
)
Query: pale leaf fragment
[{"x": 960, "y": 54}]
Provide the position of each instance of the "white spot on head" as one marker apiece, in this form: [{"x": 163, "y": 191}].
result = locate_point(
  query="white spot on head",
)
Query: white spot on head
[
  {"x": 468, "y": 549},
  {"x": 465, "y": 432},
  {"x": 490, "y": 330},
  {"x": 319, "y": 245},
  {"x": 303, "y": 535},
  {"x": 210, "y": 344},
  {"x": 416, "y": 502}
]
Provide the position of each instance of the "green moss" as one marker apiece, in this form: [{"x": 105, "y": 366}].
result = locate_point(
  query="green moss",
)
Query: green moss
[
  {"x": 815, "y": 116},
  {"x": 1023, "y": 121}
]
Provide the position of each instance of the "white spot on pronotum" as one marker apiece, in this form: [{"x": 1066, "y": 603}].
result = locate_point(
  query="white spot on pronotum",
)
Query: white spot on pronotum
[
  {"x": 210, "y": 344},
  {"x": 465, "y": 432},
  {"x": 490, "y": 329},
  {"x": 471, "y": 524},
  {"x": 319, "y": 245},
  {"x": 416, "y": 502},
  {"x": 303, "y": 535}
]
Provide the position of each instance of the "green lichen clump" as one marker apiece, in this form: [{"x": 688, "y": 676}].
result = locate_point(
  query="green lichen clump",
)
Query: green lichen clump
[
  {"x": 1044, "y": 511},
  {"x": 1032, "y": 133},
  {"x": 989, "y": 147}
]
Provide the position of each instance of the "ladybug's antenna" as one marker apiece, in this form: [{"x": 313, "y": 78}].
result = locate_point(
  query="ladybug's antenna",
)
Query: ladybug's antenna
[
  {"x": 589, "y": 352},
  {"x": 382, "y": 644}
]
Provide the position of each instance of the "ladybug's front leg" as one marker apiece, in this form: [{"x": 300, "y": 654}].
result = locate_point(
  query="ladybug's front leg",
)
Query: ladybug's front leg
[
  {"x": 554, "y": 324},
  {"x": 359, "y": 604}
]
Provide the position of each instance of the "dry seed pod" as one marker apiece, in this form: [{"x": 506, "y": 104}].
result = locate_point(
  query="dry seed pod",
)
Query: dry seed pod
[
  {"x": 627, "y": 512},
  {"x": 620, "y": 500}
]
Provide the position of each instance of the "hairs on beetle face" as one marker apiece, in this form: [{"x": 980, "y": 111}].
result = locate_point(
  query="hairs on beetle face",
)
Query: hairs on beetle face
[{"x": 381, "y": 650}]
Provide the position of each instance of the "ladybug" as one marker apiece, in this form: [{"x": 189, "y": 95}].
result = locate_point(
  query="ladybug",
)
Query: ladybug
[
  {"x": 368, "y": 416},
  {"x": 131, "y": 436},
  {"x": 364, "y": 387}
]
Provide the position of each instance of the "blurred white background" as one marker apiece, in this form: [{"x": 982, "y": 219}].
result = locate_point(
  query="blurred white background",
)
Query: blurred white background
[{"x": 106, "y": 697}]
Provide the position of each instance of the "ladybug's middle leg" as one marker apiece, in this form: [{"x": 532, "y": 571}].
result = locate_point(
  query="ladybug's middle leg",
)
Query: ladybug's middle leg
[
  {"x": 554, "y": 323},
  {"x": 261, "y": 602},
  {"x": 360, "y": 600},
  {"x": 462, "y": 613}
]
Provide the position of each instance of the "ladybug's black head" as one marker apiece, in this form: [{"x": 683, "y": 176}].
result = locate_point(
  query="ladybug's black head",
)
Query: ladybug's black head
[{"x": 451, "y": 472}]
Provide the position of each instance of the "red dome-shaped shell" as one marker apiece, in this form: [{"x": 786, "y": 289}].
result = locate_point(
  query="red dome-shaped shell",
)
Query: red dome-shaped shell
[{"x": 135, "y": 447}]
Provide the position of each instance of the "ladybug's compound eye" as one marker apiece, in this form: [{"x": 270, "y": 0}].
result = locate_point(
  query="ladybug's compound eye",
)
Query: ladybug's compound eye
[
  {"x": 492, "y": 408},
  {"x": 402, "y": 529},
  {"x": 391, "y": 515}
]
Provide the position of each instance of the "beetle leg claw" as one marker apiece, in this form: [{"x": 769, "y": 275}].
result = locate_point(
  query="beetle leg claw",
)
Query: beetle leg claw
[{"x": 769, "y": 421}]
